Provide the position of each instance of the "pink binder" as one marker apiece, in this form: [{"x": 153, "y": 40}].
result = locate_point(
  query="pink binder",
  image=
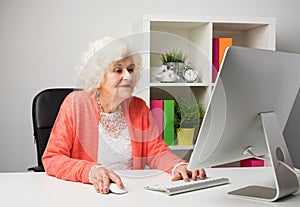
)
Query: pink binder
[{"x": 157, "y": 110}]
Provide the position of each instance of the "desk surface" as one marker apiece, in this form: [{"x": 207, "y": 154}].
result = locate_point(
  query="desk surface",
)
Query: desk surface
[{"x": 34, "y": 189}]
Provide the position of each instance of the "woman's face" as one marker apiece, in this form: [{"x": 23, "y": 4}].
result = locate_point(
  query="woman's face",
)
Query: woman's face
[{"x": 119, "y": 80}]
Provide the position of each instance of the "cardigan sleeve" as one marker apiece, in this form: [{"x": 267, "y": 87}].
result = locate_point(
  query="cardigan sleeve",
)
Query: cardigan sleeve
[
  {"x": 159, "y": 155},
  {"x": 60, "y": 159}
]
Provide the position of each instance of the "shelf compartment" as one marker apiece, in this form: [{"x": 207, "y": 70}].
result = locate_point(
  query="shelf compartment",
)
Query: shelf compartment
[{"x": 175, "y": 93}]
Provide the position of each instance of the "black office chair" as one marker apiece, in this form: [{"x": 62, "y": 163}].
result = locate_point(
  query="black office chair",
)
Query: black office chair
[{"x": 45, "y": 107}]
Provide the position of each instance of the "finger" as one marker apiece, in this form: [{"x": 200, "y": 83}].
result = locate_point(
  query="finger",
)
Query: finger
[
  {"x": 202, "y": 174},
  {"x": 194, "y": 174},
  {"x": 184, "y": 175},
  {"x": 176, "y": 176},
  {"x": 96, "y": 187},
  {"x": 116, "y": 179},
  {"x": 105, "y": 186}
]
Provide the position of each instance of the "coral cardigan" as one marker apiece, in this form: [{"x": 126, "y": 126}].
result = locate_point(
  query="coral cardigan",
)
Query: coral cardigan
[{"x": 72, "y": 148}]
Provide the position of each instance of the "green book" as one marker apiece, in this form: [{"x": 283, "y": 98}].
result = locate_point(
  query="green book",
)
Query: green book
[{"x": 169, "y": 130}]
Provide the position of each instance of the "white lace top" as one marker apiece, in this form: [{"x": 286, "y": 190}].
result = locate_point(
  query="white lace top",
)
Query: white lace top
[{"x": 114, "y": 153}]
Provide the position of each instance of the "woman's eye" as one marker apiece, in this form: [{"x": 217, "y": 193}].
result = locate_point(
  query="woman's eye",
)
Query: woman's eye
[
  {"x": 130, "y": 70},
  {"x": 118, "y": 70}
]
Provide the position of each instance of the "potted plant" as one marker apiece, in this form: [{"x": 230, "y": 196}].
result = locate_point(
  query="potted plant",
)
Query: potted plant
[
  {"x": 173, "y": 56},
  {"x": 188, "y": 117},
  {"x": 175, "y": 60}
]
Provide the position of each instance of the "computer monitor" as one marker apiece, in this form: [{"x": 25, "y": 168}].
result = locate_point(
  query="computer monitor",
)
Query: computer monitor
[
  {"x": 249, "y": 108},
  {"x": 291, "y": 133}
]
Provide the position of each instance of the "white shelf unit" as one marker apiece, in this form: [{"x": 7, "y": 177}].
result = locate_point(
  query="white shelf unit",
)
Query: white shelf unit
[{"x": 194, "y": 36}]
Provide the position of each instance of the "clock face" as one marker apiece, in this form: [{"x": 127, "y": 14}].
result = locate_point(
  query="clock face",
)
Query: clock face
[{"x": 190, "y": 74}]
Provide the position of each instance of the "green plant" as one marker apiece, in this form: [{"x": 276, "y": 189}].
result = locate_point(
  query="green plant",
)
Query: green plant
[
  {"x": 188, "y": 114},
  {"x": 173, "y": 56}
]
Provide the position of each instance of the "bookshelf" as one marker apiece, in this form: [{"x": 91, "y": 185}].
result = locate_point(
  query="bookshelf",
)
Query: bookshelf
[{"x": 194, "y": 35}]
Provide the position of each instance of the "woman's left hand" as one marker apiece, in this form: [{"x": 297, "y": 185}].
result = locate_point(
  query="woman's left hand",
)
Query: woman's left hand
[{"x": 181, "y": 172}]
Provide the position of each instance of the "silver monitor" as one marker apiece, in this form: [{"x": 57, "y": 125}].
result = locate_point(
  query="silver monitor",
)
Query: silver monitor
[
  {"x": 291, "y": 133},
  {"x": 248, "y": 110}
]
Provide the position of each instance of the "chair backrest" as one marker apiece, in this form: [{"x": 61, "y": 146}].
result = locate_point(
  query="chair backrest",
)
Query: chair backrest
[{"x": 45, "y": 107}]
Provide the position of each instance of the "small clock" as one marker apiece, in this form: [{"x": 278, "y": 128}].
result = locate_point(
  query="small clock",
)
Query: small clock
[{"x": 190, "y": 74}]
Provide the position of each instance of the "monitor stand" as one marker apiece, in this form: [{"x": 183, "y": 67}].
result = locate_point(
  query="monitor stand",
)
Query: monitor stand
[{"x": 286, "y": 182}]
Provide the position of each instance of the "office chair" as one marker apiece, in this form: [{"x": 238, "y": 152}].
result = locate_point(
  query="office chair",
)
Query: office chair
[{"x": 45, "y": 107}]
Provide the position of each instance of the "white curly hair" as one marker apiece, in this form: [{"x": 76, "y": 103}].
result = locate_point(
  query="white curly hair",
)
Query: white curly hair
[{"x": 94, "y": 62}]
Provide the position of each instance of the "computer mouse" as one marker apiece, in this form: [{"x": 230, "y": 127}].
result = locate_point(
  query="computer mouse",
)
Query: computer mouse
[{"x": 113, "y": 188}]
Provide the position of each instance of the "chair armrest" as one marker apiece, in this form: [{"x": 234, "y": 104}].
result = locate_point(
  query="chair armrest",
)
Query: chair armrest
[{"x": 36, "y": 169}]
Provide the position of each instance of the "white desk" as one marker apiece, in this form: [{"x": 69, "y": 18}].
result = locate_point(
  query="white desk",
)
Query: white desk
[{"x": 39, "y": 189}]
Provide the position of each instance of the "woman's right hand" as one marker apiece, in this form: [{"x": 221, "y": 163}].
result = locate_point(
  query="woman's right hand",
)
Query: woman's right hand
[{"x": 101, "y": 178}]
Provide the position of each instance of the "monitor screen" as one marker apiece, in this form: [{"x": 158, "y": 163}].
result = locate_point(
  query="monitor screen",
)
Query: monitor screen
[{"x": 252, "y": 83}]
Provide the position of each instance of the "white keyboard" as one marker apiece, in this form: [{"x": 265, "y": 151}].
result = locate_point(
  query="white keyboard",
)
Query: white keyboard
[{"x": 181, "y": 186}]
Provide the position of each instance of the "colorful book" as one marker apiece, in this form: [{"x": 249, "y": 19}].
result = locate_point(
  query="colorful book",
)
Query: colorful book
[
  {"x": 169, "y": 115},
  {"x": 218, "y": 51},
  {"x": 157, "y": 110},
  {"x": 252, "y": 162},
  {"x": 215, "y": 59},
  {"x": 223, "y": 44}
]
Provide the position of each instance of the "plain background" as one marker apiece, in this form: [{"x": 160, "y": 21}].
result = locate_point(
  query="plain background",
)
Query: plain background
[{"x": 41, "y": 41}]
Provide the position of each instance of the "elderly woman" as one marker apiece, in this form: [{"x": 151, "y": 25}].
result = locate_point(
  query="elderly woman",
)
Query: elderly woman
[{"x": 104, "y": 128}]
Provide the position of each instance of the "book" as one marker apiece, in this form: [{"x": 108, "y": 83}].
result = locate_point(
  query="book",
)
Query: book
[
  {"x": 157, "y": 111},
  {"x": 223, "y": 44},
  {"x": 252, "y": 162},
  {"x": 218, "y": 51},
  {"x": 215, "y": 59},
  {"x": 169, "y": 115}
]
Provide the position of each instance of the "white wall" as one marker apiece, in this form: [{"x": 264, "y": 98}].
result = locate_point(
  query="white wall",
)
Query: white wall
[{"x": 41, "y": 40}]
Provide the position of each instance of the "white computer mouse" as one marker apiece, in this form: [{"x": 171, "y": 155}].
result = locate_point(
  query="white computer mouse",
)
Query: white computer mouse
[{"x": 113, "y": 188}]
